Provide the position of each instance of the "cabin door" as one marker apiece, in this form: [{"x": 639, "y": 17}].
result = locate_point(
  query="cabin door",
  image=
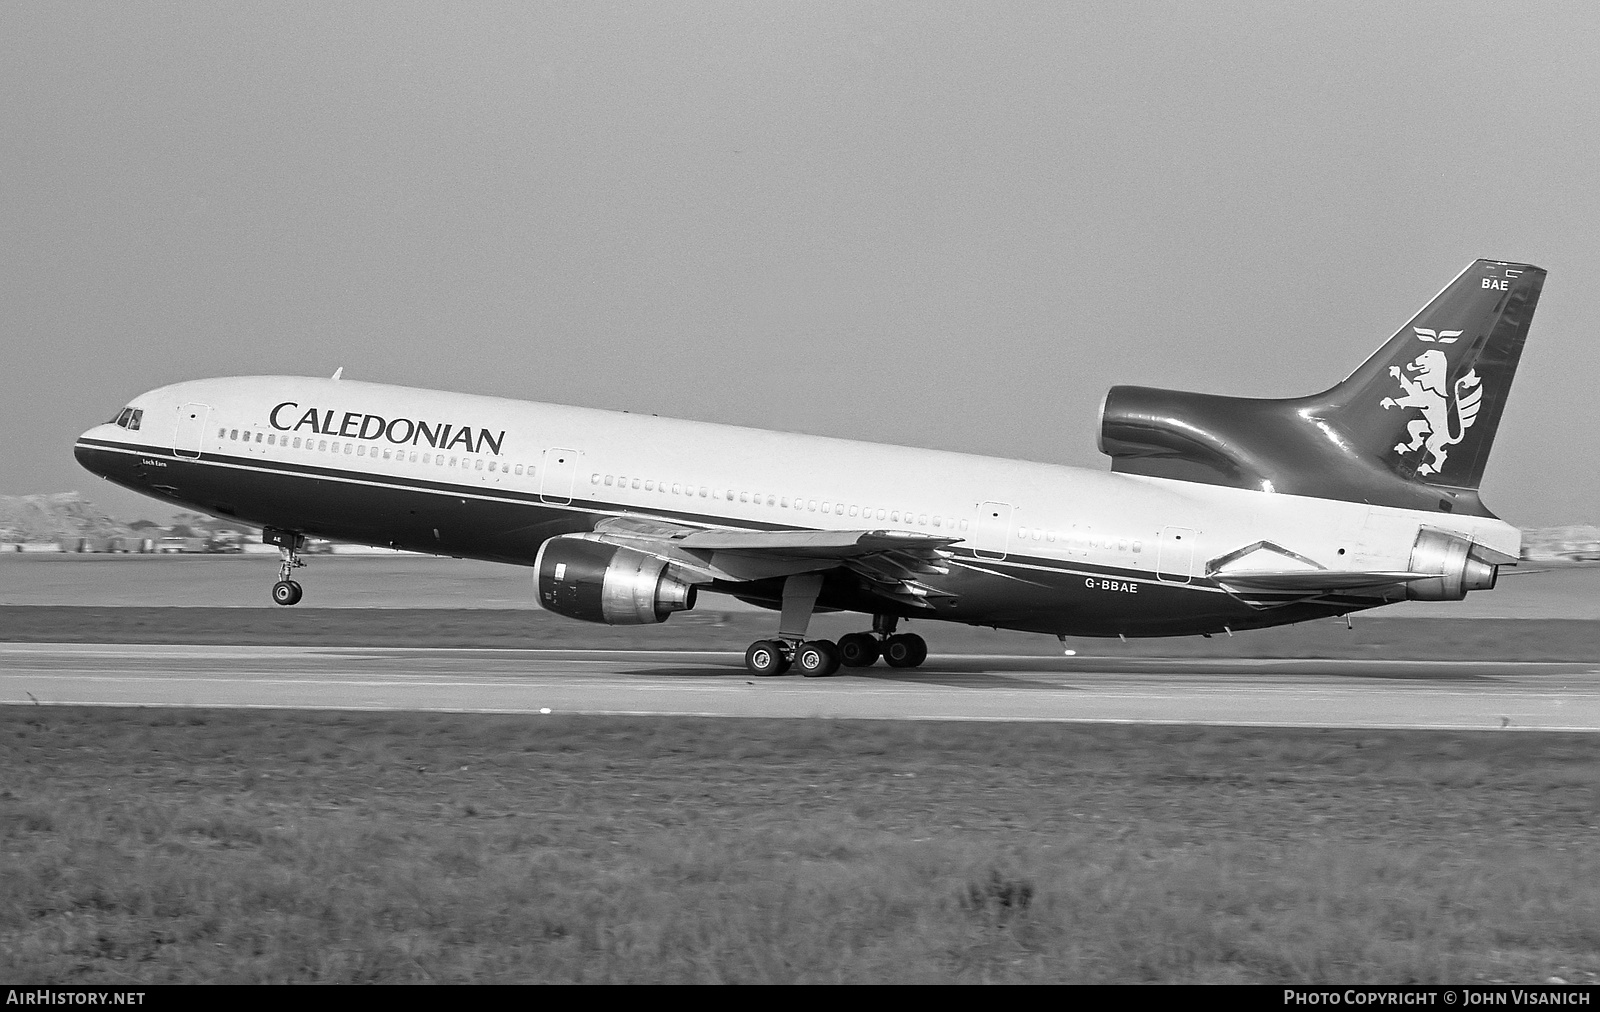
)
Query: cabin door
[
  {"x": 192, "y": 420},
  {"x": 1175, "y": 554},
  {"x": 557, "y": 476},
  {"x": 992, "y": 532}
]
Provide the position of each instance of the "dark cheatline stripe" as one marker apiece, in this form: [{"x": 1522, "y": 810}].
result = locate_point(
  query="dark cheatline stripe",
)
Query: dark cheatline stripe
[{"x": 1013, "y": 561}]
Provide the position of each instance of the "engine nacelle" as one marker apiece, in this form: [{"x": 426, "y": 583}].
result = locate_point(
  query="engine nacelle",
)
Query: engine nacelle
[
  {"x": 1459, "y": 563},
  {"x": 597, "y": 582}
]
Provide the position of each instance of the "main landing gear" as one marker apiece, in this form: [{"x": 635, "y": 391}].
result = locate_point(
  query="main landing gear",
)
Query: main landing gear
[
  {"x": 286, "y": 591},
  {"x": 820, "y": 658}
]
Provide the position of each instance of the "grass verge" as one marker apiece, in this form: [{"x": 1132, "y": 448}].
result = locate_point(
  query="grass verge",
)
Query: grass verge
[{"x": 237, "y": 846}]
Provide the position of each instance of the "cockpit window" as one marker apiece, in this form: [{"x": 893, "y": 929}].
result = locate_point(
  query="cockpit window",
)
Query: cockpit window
[{"x": 129, "y": 418}]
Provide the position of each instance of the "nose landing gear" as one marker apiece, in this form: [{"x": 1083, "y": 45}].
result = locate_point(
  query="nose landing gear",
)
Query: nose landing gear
[{"x": 286, "y": 591}]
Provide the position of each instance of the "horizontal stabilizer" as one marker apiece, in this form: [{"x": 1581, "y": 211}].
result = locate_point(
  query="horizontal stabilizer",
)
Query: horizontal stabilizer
[{"x": 1312, "y": 582}]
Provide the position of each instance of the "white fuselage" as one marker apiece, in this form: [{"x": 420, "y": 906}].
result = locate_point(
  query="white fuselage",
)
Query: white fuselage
[{"x": 1010, "y": 516}]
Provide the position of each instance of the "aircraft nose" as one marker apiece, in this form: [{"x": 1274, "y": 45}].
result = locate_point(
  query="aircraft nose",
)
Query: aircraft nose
[{"x": 87, "y": 454}]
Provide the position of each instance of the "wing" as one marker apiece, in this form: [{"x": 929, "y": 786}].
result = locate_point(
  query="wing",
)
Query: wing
[{"x": 888, "y": 563}]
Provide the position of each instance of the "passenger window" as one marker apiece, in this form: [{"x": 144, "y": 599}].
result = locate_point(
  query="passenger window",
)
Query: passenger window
[
  {"x": 258, "y": 437},
  {"x": 676, "y": 488},
  {"x": 895, "y": 516},
  {"x": 922, "y": 520},
  {"x": 478, "y": 466},
  {"x": 811, "y": 504},
  {"x": 361, "y": 451},
  {"x": 222, "y": 433},
  {"x": 880, "y": 514},
  {"x": 452, "y": 462},
  {"x": 386, "y": 454},
  {"x": 234, "y": 434},
  {"x": 703, "y": 491},
  {"x": 347, "y": 447},
  {"x": 322, "y": 445},
  {"x": 636, "y": 483},
  {"x": 608, "y": 479}
]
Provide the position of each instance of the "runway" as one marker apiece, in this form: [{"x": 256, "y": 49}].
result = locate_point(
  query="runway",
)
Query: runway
[{"x": 1278, "y": 693}]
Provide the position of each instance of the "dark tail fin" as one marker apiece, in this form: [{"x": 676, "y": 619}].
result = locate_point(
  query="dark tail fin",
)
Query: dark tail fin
[
  {"x": 1428, "y": 403},
  {"x": 1411, "y": 428}
]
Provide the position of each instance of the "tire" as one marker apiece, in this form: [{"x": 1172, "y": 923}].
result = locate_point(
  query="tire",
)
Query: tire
[
  {"x": 906, "y": 650},
  {"x": 859, "y": 650},
  {"x": 766, "y": 658},
  {"x": 285, "y": 592},
  {"x": 817, "y": 659}
]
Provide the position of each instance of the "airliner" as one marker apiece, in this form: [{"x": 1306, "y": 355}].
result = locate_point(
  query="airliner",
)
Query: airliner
[{"x": 1218, "y": 513}]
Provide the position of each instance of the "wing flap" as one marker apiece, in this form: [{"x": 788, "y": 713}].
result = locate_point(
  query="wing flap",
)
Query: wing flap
[{"x": 814, "y": 544}]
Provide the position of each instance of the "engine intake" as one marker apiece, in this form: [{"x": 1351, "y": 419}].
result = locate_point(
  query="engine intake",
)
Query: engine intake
[
  {"x": 597, "y": 582},
  {"x": 1460, "y": 564}
]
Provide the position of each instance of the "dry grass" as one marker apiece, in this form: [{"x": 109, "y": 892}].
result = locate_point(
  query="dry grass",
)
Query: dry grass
[{"x": 271, "y": 846}]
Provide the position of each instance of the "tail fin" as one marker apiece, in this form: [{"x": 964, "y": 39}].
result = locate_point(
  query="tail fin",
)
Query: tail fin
[
  {"x": 1427, "y": 404},
  {"x": 1411, "y": 428}
]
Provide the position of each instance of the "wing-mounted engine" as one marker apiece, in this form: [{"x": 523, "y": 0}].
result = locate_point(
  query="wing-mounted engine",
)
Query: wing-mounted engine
[{"x": 597, "y": 582}]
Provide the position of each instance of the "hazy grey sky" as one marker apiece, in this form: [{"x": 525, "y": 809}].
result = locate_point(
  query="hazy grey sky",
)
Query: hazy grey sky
[{"x": 949, "y": 225}]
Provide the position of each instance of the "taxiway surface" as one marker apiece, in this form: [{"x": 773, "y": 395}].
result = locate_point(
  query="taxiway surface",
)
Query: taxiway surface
[{"x": 1293, "y": 693}]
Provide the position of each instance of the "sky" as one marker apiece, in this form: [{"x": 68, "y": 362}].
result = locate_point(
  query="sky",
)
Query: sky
[{"x": 936, "y": 224}]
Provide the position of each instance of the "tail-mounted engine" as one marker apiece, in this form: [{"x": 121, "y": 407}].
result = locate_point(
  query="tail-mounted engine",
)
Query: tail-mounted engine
[
  {"x": 597, "y": 582},
  {"x": 1461, "y": 565}
]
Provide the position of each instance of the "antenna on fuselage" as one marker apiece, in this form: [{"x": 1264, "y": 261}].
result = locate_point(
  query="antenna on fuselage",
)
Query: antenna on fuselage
[{"x": 339, "y": 372}]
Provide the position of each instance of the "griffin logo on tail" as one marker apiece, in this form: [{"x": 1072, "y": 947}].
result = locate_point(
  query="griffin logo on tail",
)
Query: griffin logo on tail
[{"x": 1447, "y": 413}]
